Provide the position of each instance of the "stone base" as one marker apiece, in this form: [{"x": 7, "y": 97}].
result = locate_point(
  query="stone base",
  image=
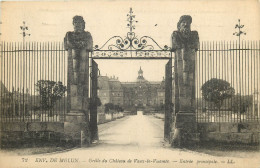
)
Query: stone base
[
  {"x": 77, "y": 128},
  {"x": 76, "y": 117},
  {"x": 180, "y": 138},
  {"x": 184, "y": 130}
]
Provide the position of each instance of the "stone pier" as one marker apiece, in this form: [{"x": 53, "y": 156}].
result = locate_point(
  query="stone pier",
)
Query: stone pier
[
  {"x": 185, "y": 43},
  {"x": 78, "y": 44}
]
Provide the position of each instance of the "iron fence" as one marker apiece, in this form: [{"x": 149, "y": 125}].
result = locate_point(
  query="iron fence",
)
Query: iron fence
[
  {"x": 231, "y": 69},
  {"x": 24, "y": 65},
  {"x": 30, "y": 75}
]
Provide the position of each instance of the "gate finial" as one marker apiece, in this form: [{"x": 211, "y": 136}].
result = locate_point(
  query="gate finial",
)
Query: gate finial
[{"x": 131, "y": 20}]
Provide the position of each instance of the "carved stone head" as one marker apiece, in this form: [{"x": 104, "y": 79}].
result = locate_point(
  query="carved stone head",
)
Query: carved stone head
[
  {"x": 78, "y": 23},
  {"x": 184, "y": 25}
]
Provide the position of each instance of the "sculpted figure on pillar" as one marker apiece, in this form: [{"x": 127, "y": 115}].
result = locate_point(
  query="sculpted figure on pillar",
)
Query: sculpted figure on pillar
[
  {"x": 79, "y": 38},
  {"x": 80, "y": 42},
  {"x": 183, "y": 41}
]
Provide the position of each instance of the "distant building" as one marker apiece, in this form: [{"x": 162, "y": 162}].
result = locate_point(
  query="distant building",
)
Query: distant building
[
  {"x": 103, "y": 89},
  {"x": 140, "y": 93}
]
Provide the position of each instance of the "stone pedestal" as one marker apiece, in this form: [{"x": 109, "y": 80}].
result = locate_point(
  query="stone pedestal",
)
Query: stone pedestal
[
  {"x": 77, "y": 121},
  {"x": 185, "y": 130}
]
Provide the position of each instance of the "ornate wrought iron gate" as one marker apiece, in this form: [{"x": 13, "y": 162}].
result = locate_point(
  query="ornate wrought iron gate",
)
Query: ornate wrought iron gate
[{"x": 131, "y": 47}]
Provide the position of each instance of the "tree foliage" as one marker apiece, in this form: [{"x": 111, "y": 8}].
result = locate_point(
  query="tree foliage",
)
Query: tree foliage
[
  {"x": 241, "y": 103},
  {"x": 50, "y": 92},
  {"x": 216, "y": 91},
  {"x": 111, "y": 106}
]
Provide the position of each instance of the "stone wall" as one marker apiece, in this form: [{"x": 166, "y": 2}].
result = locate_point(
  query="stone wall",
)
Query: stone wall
[
  {"x": 24, "y": 133},
  {"x": 245, "y": 133}
]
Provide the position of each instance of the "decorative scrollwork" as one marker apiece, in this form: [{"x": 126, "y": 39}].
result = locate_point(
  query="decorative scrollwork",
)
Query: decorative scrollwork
[
  {"x": 131, "y": 42},
  {"x": 118, "y": 46}
]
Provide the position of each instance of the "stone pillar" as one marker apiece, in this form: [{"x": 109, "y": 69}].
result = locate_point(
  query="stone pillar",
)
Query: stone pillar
[
  {"x": 185, "y": 43},
  {"x": 78, "y": 44}
]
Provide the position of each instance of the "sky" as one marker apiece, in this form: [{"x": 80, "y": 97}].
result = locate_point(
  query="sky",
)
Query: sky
[{"x": 49, "y": 21}]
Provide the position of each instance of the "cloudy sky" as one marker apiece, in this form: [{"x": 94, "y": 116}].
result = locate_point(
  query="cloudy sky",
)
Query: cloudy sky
[{"x": 49, "y": 21}]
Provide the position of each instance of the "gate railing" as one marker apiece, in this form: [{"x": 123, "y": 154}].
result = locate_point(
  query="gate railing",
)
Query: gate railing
[
  {"x": 22, "y": 67},
  {"x": 237, "y": 65}
]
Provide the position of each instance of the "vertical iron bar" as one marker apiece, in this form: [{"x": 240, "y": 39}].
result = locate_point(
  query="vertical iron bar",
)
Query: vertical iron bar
[
  {"x": 65, "y": 81},
  {"x": 208, "y": 69},
  {"x": 197, "y": 88},
  {"x": 30, "y": 81},
  {"x": 51, "y": 118},
  {"x": 216, "y": 73},
  {"x": 242, "y": 82},
  {"x": 5, "y": 104},
  {"x": 4, "y": 94},
  {"x": 228, "y": 55},
  {"x": 222, "y": 72},
  {"x": 240, "y": 88},
  {"x": 26, "y": 80},
  {"x": 251, "y": 84},
  {"x": 56, "y": 78},
  {"x": 23, "y": 81},
  {"x": 233, "y": 76},
  {"x": 247, "y": 57},
  {"x": 44, "y": 71},
  {"x": 19, "y": 80},
  {"x": 59, "y": 109},
  {"x": 255, "y": 91},
  {"x": 15, "y": 76},
  {"x": 61, "y": 78},
  {"x": 23, "y": 112},
  {"x": 41, "y": 56},
  {"x": 56, "y": 72},
  {"x": 201, "y": 81},
  {"x": 1, "y": 77},
  {"x": 212, "y": 73},
  {"x": 228, "y": 69},
  {"x": 35, "y": 77},
  {"x": 258, "y": 73},
  {"x": 229, "y": 77},
  {"x": 247, "y": 82},
  {"x": 48, "y": 78},
  {"x": 7, "y": 79},
  {"x": 218, "y": 53},
  {"x": 237, "y": 82},
  {"x": 12, "y": 85}
]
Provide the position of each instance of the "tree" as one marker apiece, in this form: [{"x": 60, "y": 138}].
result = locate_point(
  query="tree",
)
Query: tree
[
  {"x": 241, "y": 103},
  {"x": 109, "y": 106},
  {"x": 50, "y": 92},
  {"x": 216, "y": 91}
]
